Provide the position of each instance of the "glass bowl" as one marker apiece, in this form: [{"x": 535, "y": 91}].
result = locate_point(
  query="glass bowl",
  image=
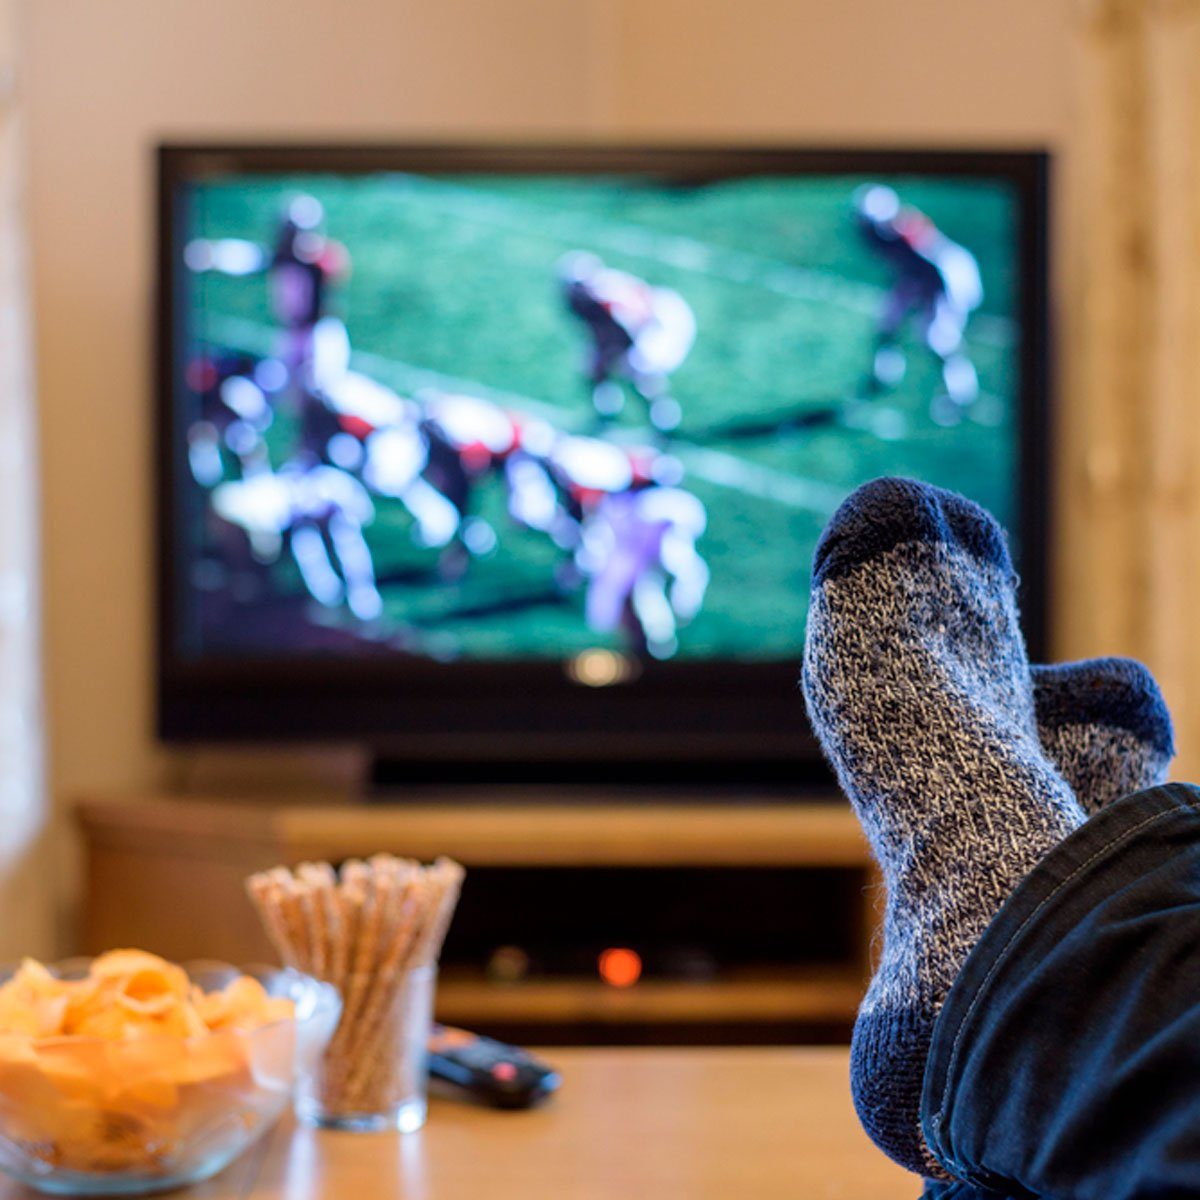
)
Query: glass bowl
[{"x": 93, "y": 1116}]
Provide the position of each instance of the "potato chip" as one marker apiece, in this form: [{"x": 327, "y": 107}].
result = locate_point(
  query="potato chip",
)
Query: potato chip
[
  {"x": 130, "y": 994},
  {"x": 242, "y": 1004}
]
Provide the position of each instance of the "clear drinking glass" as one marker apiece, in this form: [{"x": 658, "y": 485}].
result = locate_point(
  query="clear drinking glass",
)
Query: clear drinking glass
[{"x": 374, "y": 1073}]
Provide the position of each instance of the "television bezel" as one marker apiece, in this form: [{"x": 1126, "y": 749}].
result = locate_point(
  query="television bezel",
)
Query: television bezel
[{"x": 530, "y": 711}]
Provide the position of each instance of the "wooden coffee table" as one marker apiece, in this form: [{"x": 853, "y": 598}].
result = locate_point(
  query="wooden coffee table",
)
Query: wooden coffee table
[{"x": 628, "y": 1124}]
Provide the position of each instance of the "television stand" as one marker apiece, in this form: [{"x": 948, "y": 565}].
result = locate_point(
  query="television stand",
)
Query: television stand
[{"x": 166, "y": 872}]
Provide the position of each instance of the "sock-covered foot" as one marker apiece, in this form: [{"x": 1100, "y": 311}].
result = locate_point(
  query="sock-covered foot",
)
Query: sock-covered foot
[
  {"x": 917, "y": 686},
  {"x": 1105, "y": 726}
]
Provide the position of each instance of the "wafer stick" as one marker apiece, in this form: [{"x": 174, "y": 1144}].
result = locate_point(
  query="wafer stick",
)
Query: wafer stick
[
  {"x": 408, "y": 884},
  {"x": 279, "y": 895},
  {"x": 389, "y": 979},
  {"x": 263, "y": 893},
  {"x": 372, "y": 921},
  {"x": 355, "y": 885},
  {"x": 377, "y": 932},
  {"x": 354, "y": 890},
  {"x": 314, "y": 920},
  {"x": 347, "y": 930},
  {"x": 395, "y": 881},
  {"x": 449, "y": 876},
  {"x": 292, "y": 906},
  {"x": 322, "y": 882}
]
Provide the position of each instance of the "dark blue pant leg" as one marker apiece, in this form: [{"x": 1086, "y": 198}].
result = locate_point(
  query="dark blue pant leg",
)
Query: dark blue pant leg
[{"x": 1066, "y": 1060}]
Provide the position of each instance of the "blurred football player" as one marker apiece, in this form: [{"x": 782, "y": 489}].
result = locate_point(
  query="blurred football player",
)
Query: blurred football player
[
  {"x": 631, "y": 531},
  {"x": 936, "y": 281},
  {"x": 234, "y": 415},
  {"x": 317, "y": 514},
  {"x": 301, "y": 267},
  {"x": 645, "y": 575},
  {"x": 640, "y": 335},
  {"x": 378, "y": 434},
  {"x": 304, "y": 266},
  {"x": 471, "y": 440}
]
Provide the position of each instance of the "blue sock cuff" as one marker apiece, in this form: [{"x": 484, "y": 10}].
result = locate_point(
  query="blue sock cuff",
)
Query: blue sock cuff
[
  {"x": 889, "y": 512},
  {"x": 1118, "y": 692}
]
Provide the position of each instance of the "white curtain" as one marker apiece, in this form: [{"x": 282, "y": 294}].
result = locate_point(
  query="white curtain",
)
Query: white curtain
[{"x": 26, "y": 890}]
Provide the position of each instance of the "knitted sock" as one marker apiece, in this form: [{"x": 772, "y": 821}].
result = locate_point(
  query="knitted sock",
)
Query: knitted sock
[
  {"x": 917, "y": 686},
  {"x": 1105, "y": 725}
]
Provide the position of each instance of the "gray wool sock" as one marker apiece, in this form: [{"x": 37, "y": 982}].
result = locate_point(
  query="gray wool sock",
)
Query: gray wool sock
[
  {"x": 918, "y": 688},
  {"x": 1106, "y": 727}
]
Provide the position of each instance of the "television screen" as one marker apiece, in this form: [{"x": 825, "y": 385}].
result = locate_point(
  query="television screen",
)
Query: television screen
[{"x": 572, "y": 409}]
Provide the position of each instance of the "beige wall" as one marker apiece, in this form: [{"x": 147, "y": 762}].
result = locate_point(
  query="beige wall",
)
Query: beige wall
[
  {"x": 106, "y": 78},
  {"x": 922, "y": 70}
]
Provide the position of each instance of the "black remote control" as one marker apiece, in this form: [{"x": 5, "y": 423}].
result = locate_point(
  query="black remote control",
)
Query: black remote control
[{"x": 487, "y": 1070}]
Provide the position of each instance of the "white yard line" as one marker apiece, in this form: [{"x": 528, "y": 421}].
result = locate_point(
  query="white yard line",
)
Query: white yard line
[
  {"x": 727, "y": 470},
  {"x": 689, "y": 254},
  {"x": 713, "y": 466}
]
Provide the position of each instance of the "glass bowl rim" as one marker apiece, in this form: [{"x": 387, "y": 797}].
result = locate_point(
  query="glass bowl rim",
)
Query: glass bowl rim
[{"x": 328, "y": 1000}]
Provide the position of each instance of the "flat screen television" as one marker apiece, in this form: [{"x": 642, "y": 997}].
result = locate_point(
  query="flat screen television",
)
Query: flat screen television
[{"x": 485, "y": 454}]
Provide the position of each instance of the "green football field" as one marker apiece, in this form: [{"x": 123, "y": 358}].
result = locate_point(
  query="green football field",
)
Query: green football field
[{"x": 453, "y": 286}]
